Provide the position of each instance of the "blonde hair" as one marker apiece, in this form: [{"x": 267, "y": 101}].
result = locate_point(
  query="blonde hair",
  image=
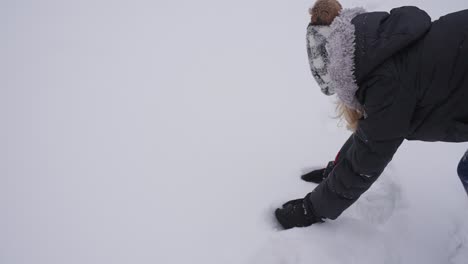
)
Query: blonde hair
[{"x": 349, "y": 115}]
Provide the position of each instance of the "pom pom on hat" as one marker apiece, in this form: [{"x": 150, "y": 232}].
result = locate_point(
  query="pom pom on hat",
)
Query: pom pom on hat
[{"x": 324, "y": 12}]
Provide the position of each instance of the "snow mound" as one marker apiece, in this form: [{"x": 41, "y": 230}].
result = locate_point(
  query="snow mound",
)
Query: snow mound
[
  {"x": 327, "y": 243},
  {"x": 378, "y": 228}
]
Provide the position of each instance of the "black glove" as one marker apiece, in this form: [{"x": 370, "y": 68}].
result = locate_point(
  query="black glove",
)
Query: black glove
[
  {"x": 297, "y": 213},
  {"x": 317, "y": 176}
]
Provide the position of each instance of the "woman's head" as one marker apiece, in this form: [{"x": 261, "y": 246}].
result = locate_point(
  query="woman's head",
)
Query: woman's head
[{"x": 324, "y": 11}]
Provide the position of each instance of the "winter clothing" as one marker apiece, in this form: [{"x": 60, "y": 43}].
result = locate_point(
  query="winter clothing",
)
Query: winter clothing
[
  {"x": 318, "y": 58},
  {"x": 329, "y": 49},
  {"x": 296, "y": 213},
  {"x": 463, "y": 171},
  {"x": 410, "y": 77},
  {"x": 324, "y": 12},
  {"x": 317, "y": 176}
]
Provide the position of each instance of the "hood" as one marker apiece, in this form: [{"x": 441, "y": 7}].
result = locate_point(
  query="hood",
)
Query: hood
[
  {"x": 381, "y": 35},
  {"x": 342, "y": 55}
]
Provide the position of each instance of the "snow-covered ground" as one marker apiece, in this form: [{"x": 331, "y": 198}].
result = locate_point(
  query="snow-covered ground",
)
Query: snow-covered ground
[{"x": 167, "y": 131}]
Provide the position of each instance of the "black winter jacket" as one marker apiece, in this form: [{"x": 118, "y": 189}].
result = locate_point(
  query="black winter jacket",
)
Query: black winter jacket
[{"x": 412, "y": 76}]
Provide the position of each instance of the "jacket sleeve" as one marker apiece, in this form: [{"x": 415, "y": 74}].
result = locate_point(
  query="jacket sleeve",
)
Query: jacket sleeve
[{"x": 365, "y": 155}]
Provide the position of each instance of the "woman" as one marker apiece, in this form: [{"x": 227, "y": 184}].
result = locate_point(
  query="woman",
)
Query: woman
[{"x": 397, "y": 76}]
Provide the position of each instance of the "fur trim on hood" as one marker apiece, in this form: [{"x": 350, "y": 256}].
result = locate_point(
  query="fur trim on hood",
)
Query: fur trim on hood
[{"x": 331, "y": 56}]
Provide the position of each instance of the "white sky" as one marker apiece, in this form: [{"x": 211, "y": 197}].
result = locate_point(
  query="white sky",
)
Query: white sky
[{"x": 159, "y": 131}]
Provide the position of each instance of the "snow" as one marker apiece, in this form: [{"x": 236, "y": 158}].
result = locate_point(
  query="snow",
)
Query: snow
[{"x": 168, "y": 131}]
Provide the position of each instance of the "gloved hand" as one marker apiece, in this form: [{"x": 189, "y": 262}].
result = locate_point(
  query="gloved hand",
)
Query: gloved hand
[
  {"x": 317, "y": 176},
  {"x": 297, "y": 213}
]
